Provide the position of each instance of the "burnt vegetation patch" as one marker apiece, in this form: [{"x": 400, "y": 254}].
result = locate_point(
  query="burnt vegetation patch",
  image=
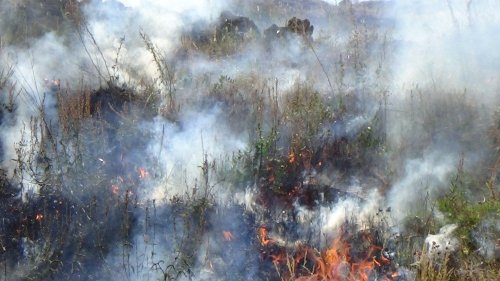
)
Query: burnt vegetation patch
[{"x": 106, "y": 182}]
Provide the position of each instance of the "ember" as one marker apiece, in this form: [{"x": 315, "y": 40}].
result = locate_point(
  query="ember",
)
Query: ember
[
  {"x": 115, "y": 189},
  {"x": 143, "y": 173},
  {"x": 263, "y": 236},
  {"x": 53, "y": 84},
  {"x": 39, "y": 217},
  {"x": 291, "y": 157},
  {"x": 228, "y": 236}
]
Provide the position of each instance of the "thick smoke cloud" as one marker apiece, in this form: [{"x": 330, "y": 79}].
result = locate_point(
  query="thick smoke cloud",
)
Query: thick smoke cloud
[
  {"x": 444, "y": 54},
  {"x": 161, "y": 21},
  {"x": 439, "y": 52},
  {"x": 444, "y": 63},
  {"x": 422, "y": 179},
  {"x": 200, "y": 136},
  {"x": 110, "y": 44},
  {"x": 91, "y": 55},
  {"x": 448, "y": 43}
]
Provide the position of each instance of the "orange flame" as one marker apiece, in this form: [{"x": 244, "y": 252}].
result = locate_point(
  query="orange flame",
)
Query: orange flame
[
  {"x": 336, "y": 263},
  {"x": 263, "y": 236},
  {"x": 39, "y": 217},
  {"x": 228, "y": 236},
  {"x": 143, "y": 173},
  {"x": 291, "y": 157}
]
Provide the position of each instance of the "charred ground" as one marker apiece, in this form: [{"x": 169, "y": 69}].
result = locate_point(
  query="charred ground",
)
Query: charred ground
[{"x": 97, "y": 185}]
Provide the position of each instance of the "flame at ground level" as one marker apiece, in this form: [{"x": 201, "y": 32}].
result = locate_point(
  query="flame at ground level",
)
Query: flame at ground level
[
  {"x": 39, "y": 217},
  {"x": 337, "y": 263},
  {"x": 264, "y": 236}
]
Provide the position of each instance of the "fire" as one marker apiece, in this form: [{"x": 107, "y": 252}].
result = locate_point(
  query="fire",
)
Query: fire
[
  {"x": 338, "y": 264},
  {"x": 335, "y": 263},
  {"x": 263, "y": 236},
  {"x": 143, "y": 173},
  {"x": 53, "y": 84},
  {"x": 291, "y": 157},
  {"x": 228, "y": 236},
  {"x": 39, "y": 217},
  {"x": 56, "y": 83},
  {"x": 115, "y": 189}
]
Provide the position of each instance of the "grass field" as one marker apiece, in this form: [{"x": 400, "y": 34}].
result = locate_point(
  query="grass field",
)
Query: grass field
[{"x": 194, "y": 140}]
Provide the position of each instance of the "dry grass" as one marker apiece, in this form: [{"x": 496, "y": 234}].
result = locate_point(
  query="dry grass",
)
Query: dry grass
[{"x": 87, "y": 198}]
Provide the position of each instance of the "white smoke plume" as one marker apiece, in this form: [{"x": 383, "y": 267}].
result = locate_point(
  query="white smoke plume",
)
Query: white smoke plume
[
  {"x": 200, "y": 136},
  {"x": 94, "y": 54},
  {"x": 442, "y": 244},
  {"x": 422, "y": 181},
  {"x": 448, "y": 43},
  {"x": 437, "y": 53},
  {"x": 443, "y": 62}
]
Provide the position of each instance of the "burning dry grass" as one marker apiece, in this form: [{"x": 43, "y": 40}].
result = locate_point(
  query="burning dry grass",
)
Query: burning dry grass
[
  {"x": 349, "y": 256},
  {"x": 77, "y": 205}
]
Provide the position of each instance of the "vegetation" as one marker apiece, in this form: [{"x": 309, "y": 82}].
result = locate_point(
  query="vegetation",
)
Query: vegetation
[{"x": 94, "y": 190}]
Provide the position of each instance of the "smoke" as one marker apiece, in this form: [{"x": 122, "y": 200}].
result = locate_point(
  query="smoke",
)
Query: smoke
[
  {"x": 91, "y": 54},
  {"x": 88, "y": 57},
  {"x": 448, "y": 43},
  {"x": 423, "y": 180},
  {"x": 486, "y": 235},
  {"x": 111, "y": 21},
  {"x": 442, "y": 73},
  {"x": 201, "y": 136},
  {"x": 348, "y": 209},
  {"x": 442, "y": 244},
  {"x": 108, "y": 46},
  {"x": 427, "y": 80}
]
